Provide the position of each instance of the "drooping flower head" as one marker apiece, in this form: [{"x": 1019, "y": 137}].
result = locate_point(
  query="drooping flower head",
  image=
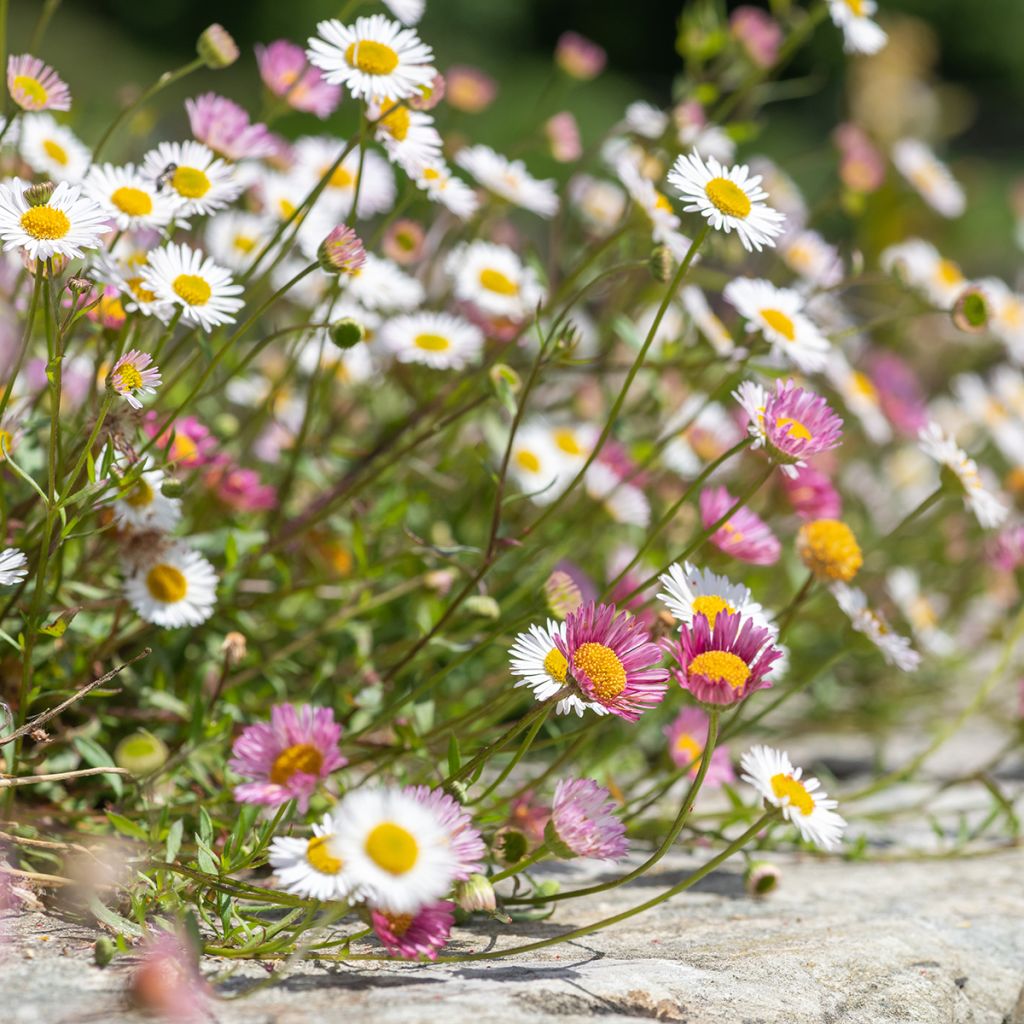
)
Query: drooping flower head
[
  {"x": 724, "y": 664},
  {"x": 287, "y": 757},
  {"x": 611, "y": 658},
  {"x": 687, "y": 737},
  {"x": 286, "y": 73},
  {"x": 802, "y": 800},
  {"x": 790, "y": 423},
  {"x": 729, "y": 198},
  {"x": 829, "y": 549},
  {"x": 411, "y": 936},
  {"x": 133, "y": 375},
  {"x": 34, "y": 85},
  {"x": 224, "y": 126},
  {"x": 583, "y": 819},
  {"x": 744, "y": 535}
]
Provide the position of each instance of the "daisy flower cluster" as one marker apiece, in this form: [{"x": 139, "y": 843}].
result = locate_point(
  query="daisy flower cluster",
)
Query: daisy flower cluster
[{"x": 431, "y": 497}]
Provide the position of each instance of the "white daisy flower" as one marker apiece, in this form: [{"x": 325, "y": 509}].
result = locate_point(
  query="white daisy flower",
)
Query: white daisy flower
[
  {"x": 375, "y": 57},
  {"x": 919, "y": 264},
  {"x": 438, "y": 340},
  {"x": 541, "y": 666},
  {"x": 53, "y": 149},
  {"x": 645, "y": 119},
  {"x": 130, "y": 197},
  {"x": 897, "y": 650},
  {"x": 1006, "y": 315},
  {"x": 802, "y": 800},
  {"x": 728, "y": 198},
  {"x": 778, "y": 314},
  {"x": 494, "y": 279},
  {"x": 929, "y": 176},
  {"x": 315, "y": 156},
  {"x": 537, "y": 464},
  {"x": 143, "y": 508},
  {"x": 664, "y": 222},
  {"x": 408, "y": 136},
  {"x": 700, "y": 312},
  {"x": 381, "y": 285},
  {"x": 509, "y": 179},
  {"x": 184, "y": 276},
  {"x": 13, "y": 566},
  {"x": 987, "y": 508},
  {"x": 986, "y": 409},
  {"x": 860, "y": 396},
  {"x": 922, "y": 612},
  {"x": 64, "y": 225},
  {"x": 623, "y": 501},
  {"x": 311, "y": 867},
  {"x": 436, "y": 179},
  {"x": 394, "y": 850},
  {"x": 691, "y": 591},
  {"x": 408, "y": 12},
  {"x": 808, "y": 254},
  {"x": 233, "y": 238},
  {"x": 600, "y": 203},
  {"x": 195, "y": 174},
  {"x": 860, "y": 33},
  {"x": 175, "y": 587},
  {"x": 126, "y": 276}
]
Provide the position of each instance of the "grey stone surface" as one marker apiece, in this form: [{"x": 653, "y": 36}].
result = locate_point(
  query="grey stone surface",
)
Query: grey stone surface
[{"x": 839, "y": 943}]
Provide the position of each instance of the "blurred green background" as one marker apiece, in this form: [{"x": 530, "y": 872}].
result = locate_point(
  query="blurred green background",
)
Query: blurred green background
[{"x": 969, "y": 55}]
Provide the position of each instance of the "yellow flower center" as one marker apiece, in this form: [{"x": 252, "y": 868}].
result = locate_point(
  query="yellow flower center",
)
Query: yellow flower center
[
  {"x": 342, "y": 178},
  {"x": 732, "y": 535},
  {"x": 29, "y": 92},
  {"x": 709, "y": 605},
  {"x": 396, "y": 122},
  {"x": 371, "y": 58},
  {"x": 432, "y": 342},
  {"x": 132, "y": 201},
  {"x": 948, "y": 272},
  {"x": 661, "y": 203},
  {"x": 602, "y": 667},
  {"x": 44, "y": 222},
  {"x": 302, "y": 757},
  {"x": 392, "y": 848},
  {"x": 779, "y": 322},
  {"x": 318, "y": 853},
  {"x": 690, "y": 749},
  {"x": 190, "y": 182},
  {"x": 129, "y": 378},
  {"x": 723, "y": 666},
  {"x": 245, "y": 243},
  {"x": 527, "y": 461},
  {"x": 863, "y": 386},
  {"x": 286, "y": 208},
  {"x": 166, "y": 583},
  {"x": 183, "y": 448},
  {"x": 110, "y": 307},
  {"x": 496, "y": 281},
  {"x": 55, "y": 151},
  {"x": 139, "y": 290},
  {"x": 829, "y": 549},
  {"x": 6, "y": 443},
  {"x": 140, "y": 495},
  {"x": 857, "y": 7},
  {"x": 786, "y": 786},
  {"x": 728, "y": 197},
  {"x": 431, "y": 174},
  {"x": 191, "y": 289},
  {"x": 399, "y": 923},
  {"x": 797, "y": 431},
  {"x": 555, "y": 665},
  {"x": 566, "y": 440}
]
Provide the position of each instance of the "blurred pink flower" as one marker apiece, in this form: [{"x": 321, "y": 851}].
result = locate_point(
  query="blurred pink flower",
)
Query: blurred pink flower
[
  {"x": 469, "y": 89},
  {"x": 564, "y": 137},
  {"x": 240, "y": 488},
  {"x": 224, "y": 126},
  {"x": 579, "y": 57},
  {"x": 758, "y": 33},
  {"x": 286, "y": 73}
]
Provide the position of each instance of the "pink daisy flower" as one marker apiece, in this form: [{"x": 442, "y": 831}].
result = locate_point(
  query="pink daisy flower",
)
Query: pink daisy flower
[
  {"x": 286, "y": 73},
  {"x": 529, "y": 816},
  {"x": 410, "y": 936},
  {"x": 612, "y": 659},
  {"x": 579, "y": 57},
  {"x": 899, "y": 393},
  {"x": 723, "y": 665},
  {"x": 744, "y": 535},
  {"x": 464, "y": 840},
  {"x": 288, "y": 757},
  {"x": 583, "y": 820},
  {"x": 812, "y": 495},
  {"x": 791, "y": 424},
  {"x": 34, "y": 85},
  {"x": 758, "y": 33},
  {"x": 239, "y": 488},
  {"x": 470, "y": 89},
  {"x": 224, "y": 126},
  {"x": 1007, "y": 550},
  {"x": 687, "y": 737},
  {"x": 186, "y": 443},
  {"x": 133, "y": 375}
]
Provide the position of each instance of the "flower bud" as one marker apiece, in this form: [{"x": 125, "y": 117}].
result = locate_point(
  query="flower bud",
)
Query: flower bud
[
  {"x": 78, "y": 285},
  {"x": 347, "y": 333},
  {"x": 510, "y": 845},
  {"x": 233, "y": 647},
  {"x": 971, "y": 312},
  {"x": 141, "y": 753},
  {"x": 484, "y": 606},
  {"x": 761, "y": 878},
  {"x": 172, "y": 488},
  {"x": 216, "y": 48},
  {"x": 429, "y": 95},
  {"x": 39, "y": 193},
  {"x": 475, "y": 893},
  {"x": 562, "y": 594},
  {"x": 661, "y": 264},
  {"x": 341, "y": 252},
  {"x": 104, "y": 951}
]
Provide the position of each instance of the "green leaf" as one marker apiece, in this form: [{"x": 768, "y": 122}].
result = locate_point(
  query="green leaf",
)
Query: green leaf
[
  {"x": 120, "y": 924},
  {"x": 174, "y": 834},
  {"x": 206, "y": 858},
  {"x": 96, "y": 757},
  {"x": 127, "y": 827},
  {"x": 205, "y": 826},
  {"x": 454, "y": 758}
]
